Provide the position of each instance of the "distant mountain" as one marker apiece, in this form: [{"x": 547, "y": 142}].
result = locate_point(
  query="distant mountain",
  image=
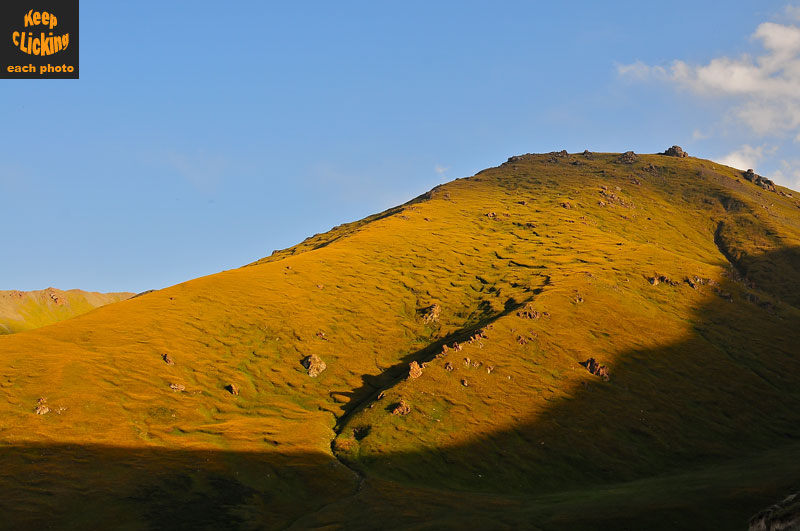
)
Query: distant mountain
[
  {"x": 565, "y": 341},
  {"x": 24, "y": 310}
]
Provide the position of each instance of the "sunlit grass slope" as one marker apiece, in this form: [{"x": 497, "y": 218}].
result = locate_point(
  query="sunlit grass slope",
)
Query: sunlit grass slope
[
  {"x": 190, "y": 406},
  {"x": 24, "y": 310}
]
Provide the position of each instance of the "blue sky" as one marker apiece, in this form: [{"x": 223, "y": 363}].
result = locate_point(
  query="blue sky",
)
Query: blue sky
[{"x": 201, "y": 136}]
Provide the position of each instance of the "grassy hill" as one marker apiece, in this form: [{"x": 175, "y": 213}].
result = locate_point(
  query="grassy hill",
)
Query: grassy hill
[
  {"x": 453, "y": 331},
  {"x": 24, "y": 310}
]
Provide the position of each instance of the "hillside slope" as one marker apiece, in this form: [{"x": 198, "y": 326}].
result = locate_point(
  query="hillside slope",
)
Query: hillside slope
[
  {"x": 25, "y": 310},
  {"x": 452, "y": 330}
]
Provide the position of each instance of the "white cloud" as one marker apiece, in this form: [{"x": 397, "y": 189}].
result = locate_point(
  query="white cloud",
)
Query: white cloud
[
  {"x": 793, "y": 12},
  {"x": 640, "y": 70},
  {"x": 697, "y": 134},
  {"x": 765, "y": 89},
  {"x": 744, "y": 158},
  {"x": 788, "y": 175},
  {"x": 441, "y": 170}
]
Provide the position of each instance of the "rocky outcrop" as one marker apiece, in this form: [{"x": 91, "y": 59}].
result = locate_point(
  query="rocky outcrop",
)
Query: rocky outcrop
[
  {"x": 431, "y": 313},
  {"x": 528, "y": 312},
  {"x": 756, "y": 179},
  {"x": 783, "y": 516},
  {"x": 676, "y": 151},
  {"x": 595, "y": 368},
  {"x": 629, "y": 157}
]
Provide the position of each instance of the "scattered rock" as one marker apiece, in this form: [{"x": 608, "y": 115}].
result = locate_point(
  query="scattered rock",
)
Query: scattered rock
[
  {"x": 566, "y": 204},
  {"x": 233, "y": 389},
  {"x": 448, "y": 367},
  {"x": 414, "y": 370},
  {"x": 314, "y": 364},
  {"x": 595, "y": 368},
  {"x": 401, "y": 408},
  {"x": 177, "y": 387},
  {"x": 464, "y": 382},
  {"x": 457, "y": 346},
  {"x": 629, "y": 157},
  {"x": 381, "y": 395},
  {"x": 477, "y": 336},
  {"x": 167, "y": 359},
  {"x": 467, "y": 361},
  {"x": 658, "y": 279},
  {"x": 695, "y": 282},
  {"x": 523, "y": 202},
  {"x": 529, "y": 313},
  {"x": 42, "y": 410},
  {"x": 491, "y": 215},
  {"x": 588, "y": 154},
  {"x": 55, "y": 297},
  {"x": 489, "y": 369},
  {"x": 321, "y": 335},
  {"x": 675, "y": 151},
  {"x": 431, "y": 314},
  {"x": 555, "y": 155}
]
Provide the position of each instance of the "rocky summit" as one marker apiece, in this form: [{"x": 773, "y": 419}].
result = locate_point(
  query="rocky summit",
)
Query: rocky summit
[{"x": 564, "y": 341}]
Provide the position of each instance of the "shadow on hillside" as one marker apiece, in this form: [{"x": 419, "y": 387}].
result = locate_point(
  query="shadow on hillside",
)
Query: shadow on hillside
[
  {"x": 70, "y": 486},
  {"x": 729, "y": 391},
  {"x": 715, "y": 419}
]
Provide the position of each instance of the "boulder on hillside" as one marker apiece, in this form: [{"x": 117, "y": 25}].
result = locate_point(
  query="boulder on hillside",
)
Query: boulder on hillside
[
  {"x": 314, "y": 364},
  {"x": 676, "y": 151},
  {"x": 629, "y": 157},
  {"x": 414, "y": 370},
  {"x": 595, "y": 368},
  {"x": 431, "y": 313},
  {"x": 401, "y": 408}
]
